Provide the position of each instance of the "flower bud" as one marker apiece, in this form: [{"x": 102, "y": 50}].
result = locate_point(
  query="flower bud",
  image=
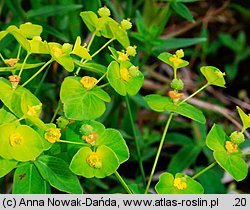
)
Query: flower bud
[
  {"x": 130, "y": 51},
  {"x": 104, "y": 12},
  {"x": 126, "y": 24},
  {"x": 237, "y": 137}
]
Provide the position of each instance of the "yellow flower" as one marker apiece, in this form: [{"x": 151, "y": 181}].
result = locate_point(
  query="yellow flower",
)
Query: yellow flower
[
  {"x": 90, "y": 139},
  {"x": 122, "y": 56},
  {"x": 94, "y": 160},
  {"x": 12, "y": 61},
  {"x": 15, "y": 139},
  {"x": 231, "y": 147},
  {"x": 125, "y": 75},
  {"x": 175, "y": 95},
  {"x": 57, "y": 51},
  {"x": 14, "y": 79},
  {"x": 175, "y": 60},
  {"x": 131, "y": 50},
  {"x": 88, "y": 82},
  {"x": 179, "y": 53},
  {"x": 180, "y": 183},
  {"x": 32, "y": 110},
  {"x": 52, "y": 135}
]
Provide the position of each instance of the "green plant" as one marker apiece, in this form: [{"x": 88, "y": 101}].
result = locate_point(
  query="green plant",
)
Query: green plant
[{"x": 52, "y": 153}]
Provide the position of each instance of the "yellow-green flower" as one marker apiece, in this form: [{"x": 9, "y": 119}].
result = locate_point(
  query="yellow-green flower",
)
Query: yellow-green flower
[
  {"x": 16, "y": 139},
  {"x": 131, "y": 50},
  {"x": 88, "y": 82},
  {"x": 231, "y": 147},
  {"x": 122, "y": 56},
  {"x": 125, "y": 75},
  {"x": 52, "y": 135},
  {"x": 90, "y": 139},
  {"x": 126, "y": 24},
  {"x": 32, "y": 110}
]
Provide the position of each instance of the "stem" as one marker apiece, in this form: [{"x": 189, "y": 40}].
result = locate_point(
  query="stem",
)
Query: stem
[
  {"x": 159, "y": 151},
  {"x": 123, "y": 182},
  {"x": 104, "y": 85},
  {"x": 99, "y": 79},
  {"x": 105, "y": 45},
  {"x": 19, "y": 51},
  {"x": 57, "y": 110},
  {"x": 136, "y": 140},
  {"x": 175, "y": 73},
  {"x": 91, "y": 40},
  {"x": 24, "y": 62},
  {"x": 1, "y": 57},
  {"x": 38, "y": 72},
  {"x": 192, "y": 95},
  {"x": 204, "y": 170},
  {"x": 70, "y": 142}
]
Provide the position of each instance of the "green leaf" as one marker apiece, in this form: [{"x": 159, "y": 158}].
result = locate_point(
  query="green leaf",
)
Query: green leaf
[
  {"x": 38, "y": 46},
  {"x": 166, "y": 185},
  {"x": 216, "y": 138},
  {"x": 92, "y": 67},
  {"x": 3, "y": 34},
  {"x": 30, "y": 30},
  {"x": 245, "y": 119},
  {"x": 27, "y": 180},
  {"x": 6, "y": 166},
  {"x": 160, "y": 103},
  {"x": 81, "y": 51},
  {"x": 21, "y": 142},
  {"x": 176, "y": 43},
  {"x": 18, "y": 66},
  {"x": 109, "y": 162},
  {"x": 80, "y": 103},
  {"x": 21, "y": 39},
  {"x": 121, "y": 86},
  {"x": 52, "y": 10},
  {"x": 113, "y": 139},
  {"x": 90, "y": 19},
  {"x": 165, "y": 58},
  {"x": 233, "y": 163},
  {"x": 6, "y": 117},
  {"x": 182, "y": 10},
  {"x": 213, "y": 75},
  {"x": 56, "y": 172},
  {"x": 120, "y": 34},
  {"x": 183, "y": 158}
]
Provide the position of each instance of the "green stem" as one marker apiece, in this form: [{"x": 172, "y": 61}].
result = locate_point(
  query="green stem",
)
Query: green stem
[
  {"x": 19, "y": 51},
  {"x": 57, "y": 110},
  {"x": 159, "y": 151},
  {"x": 123, "y": 182},
  {"x": 175, "y": 73},
  {"x": 104, "y": 85},
  {"x": 136, "y": 140},
  {"x": 105, "y": 45},
  {"x": 70, "y": 142},
  {"x": 196, "y": 92},
  {"x": 91, "y": 40},
  {"x": 99, "y": 79},
  {"x": 24, "y": 62},
  {"x": 204, "y": 170},
  {"x": 2, "y": 57},
  {"x": 38, "y": 72}
]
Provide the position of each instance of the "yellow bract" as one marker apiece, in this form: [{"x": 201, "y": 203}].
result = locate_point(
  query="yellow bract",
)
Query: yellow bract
[
  {"x": 180, "y": 183},
  {"x": 125, "y": 75},
  {"x": 32, "y": 110},
  {"x": 16, "y": 139},
  {"x": 175, "y": 60},
  {"x": 231, "y": 147},
  {"x": 94, "y": 160},
  {"x": 52, "y": 135},
  {"x": 88, "y": 82}
]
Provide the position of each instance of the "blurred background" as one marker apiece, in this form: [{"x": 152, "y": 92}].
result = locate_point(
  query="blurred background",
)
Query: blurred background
[{"x": 213, "y": 32}]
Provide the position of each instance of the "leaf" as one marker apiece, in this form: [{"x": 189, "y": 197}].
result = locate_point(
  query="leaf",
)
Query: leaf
[
  {"x": 90, "y": 19},
  {"x": 80, "y": 103},
  {"x": 213, "y": 75},
  {"x": 21, "y": 142},
  {"x": 176, "y": 43},
  {"x": 160, "y": 103},
  {"x": 57, "y": 173},
  {"x": 183, "y": 158},
  {"x": 109, "y": 162},
  {"x": 182, "y": 10},
  {"x": 92, "y": 67},
  {"x": 232, "y": 163},
  {"x": 166, "y": 181},
  {"x": 27, "y": 180},
  {"x": 52, "y": 10},
  {"x": 165, "y": 58},
  {"x": 6, "y": 166},
  {"x": 245, "y": 119},
  {"x": 6, "y": 117},
  {"x": 216, "y": 138},
  {"x": 120, "y": 34},
  {"x": 122, "y": 87},
  {"x": 113, "y": 139}
]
